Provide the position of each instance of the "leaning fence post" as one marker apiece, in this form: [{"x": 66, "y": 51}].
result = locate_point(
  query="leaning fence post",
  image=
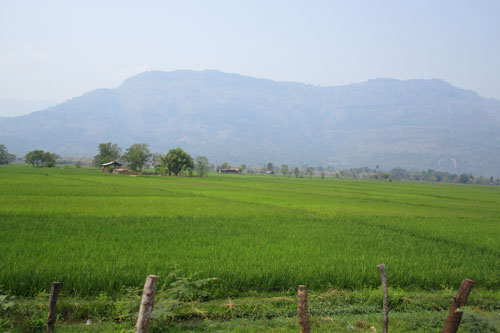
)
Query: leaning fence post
[
  {"x": 454, "y": 317},
  {"x": 381, "y": 269},
  {"x": 302, "y": 309},
  {"x": 147, "y": 304},
  {"x": 54, "y": 293}
]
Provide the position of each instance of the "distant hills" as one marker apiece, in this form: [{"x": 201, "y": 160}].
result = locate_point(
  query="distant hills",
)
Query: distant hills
[{"x": 414, "y": 124}]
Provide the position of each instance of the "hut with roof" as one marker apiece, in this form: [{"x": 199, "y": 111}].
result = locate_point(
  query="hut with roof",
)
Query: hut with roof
[{"x": 106, "y": 167}]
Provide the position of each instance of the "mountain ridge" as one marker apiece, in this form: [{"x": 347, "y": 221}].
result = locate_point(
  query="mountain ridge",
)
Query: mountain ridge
[{"x": 417, "y": 123}]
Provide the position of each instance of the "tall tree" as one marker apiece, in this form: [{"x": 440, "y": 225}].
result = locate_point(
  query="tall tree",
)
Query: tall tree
[
  {"x": 49, "y": 159},
  {"x": 3, "y": 154},
  {"x": 201, "y": 166},
  {"x": 137, "y": 155},
  {"x": 107, "y": 152},
  {"x": 5, "y": 157},
  {"x": 284, "y": 169},
  {"x": 156, "y": 162},
  {"x": 310, "y": 171},
  {"x": 296, "y": 172},
  {"x": 34, "y": 158},
  {"x": 177, "y": 160}
]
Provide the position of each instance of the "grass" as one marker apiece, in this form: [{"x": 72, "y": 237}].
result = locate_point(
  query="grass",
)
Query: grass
[
  {"x": 100, "y": 234},
  {"x": 97, "y": 232},
  {"x": 333, "y": 310}
]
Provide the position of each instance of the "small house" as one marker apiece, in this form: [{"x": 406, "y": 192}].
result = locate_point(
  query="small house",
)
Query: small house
[{"x": 106, "y": 167}]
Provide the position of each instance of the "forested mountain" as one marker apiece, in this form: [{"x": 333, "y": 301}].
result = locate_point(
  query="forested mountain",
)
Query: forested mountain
[{"x": 416, "y": 124}]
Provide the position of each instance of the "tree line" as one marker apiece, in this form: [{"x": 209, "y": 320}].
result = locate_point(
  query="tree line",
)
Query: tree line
[
  {"x": 37, "y": 158},
  {"x": 176, "y": 161},
  {"x": 439, "y": 176},
  {"x": 376, "y": 173},
  {"x": 400, "y": 174},
  {"x": 40, "y": 158}
]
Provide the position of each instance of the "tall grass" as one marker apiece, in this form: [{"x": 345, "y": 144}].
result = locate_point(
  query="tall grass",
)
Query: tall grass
[{"x": 97, "y": 232}]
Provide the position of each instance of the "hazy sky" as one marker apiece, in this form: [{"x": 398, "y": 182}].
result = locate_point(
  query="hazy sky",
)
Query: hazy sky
[{"x": 55, "y": 50}]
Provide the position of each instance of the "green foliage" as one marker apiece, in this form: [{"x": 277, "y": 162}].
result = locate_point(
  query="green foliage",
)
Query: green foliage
[
  {"x": 476, "y": 320},
  {"x": 34, "y": 157},
  {"x": 137, "y": 155},
  {"x": 30, "y": 318},
  {"x": 309, "y": 171},
  {"x": 8, "y": 307},
  {"x": 177, "y": 161},
  {"x": 201, "y": 166},
  {"x": 333, "y": 310},
  {"x": 186, "y": 288},
  {"x": 39, "y": 158},
  {"x": 5, "y": 157},
  {"x": 420, "y": 176},
  {"x": 465, "y": 178},
  {"x": 284, "y": 169},
  {"x": 439, "y": 176},
  {"x": 108, "y": 152}
]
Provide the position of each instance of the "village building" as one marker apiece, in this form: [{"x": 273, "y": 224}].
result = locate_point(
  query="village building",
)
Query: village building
[
  {"x": 106, "y": 167},
  {"x": 230, "y": 170}
]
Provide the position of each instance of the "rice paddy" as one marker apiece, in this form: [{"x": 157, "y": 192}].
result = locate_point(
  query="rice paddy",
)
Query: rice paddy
[{"x": 99, "y": 233}]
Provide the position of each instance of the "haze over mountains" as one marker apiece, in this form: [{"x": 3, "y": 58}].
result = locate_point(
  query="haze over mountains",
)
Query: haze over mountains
[
  {"x": 12, "y": 107},
  {"x": 414, "y": 124}
]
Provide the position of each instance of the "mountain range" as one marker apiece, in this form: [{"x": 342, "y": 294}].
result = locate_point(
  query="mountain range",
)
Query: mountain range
[{"x": 414, "y": 124}]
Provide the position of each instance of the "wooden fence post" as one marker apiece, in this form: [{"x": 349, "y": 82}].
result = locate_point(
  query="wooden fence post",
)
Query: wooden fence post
[
  {"x": 54, "y": 293},
  {"x": 302, "y": 309},
  {"x": 147, "y": 304},
  {"x": 453, "y": 321},
  {"x": 381, "y": 269}
]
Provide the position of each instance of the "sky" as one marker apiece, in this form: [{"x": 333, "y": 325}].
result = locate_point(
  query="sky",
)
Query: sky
[{"x": 56, "y": 50}]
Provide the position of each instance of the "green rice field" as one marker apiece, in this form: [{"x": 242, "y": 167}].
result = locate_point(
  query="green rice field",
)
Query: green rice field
[{"x": 99, "y": 233}]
